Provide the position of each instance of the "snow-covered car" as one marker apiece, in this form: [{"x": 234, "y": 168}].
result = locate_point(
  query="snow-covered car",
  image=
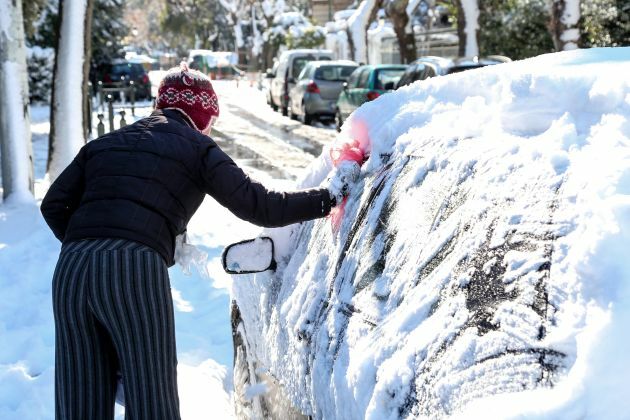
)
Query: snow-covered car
[{"x": 480, "y": 265}]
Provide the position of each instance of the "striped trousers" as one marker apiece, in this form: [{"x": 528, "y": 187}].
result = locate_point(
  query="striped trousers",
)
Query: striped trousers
[{"x": 113, "y": 312}]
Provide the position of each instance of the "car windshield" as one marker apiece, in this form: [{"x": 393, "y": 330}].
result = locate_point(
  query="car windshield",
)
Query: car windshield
[
  {"x": 387, "y": 77},
  {"x": 299, "y": 63},
  {"x": 133, "y": 69},
  {"x": 334, "y": 73}
]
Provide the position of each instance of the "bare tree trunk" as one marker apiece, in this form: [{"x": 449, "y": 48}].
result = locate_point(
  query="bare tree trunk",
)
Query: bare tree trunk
[
  {"x": 87, "y": 39},
  {"x": 357, "y": 28},
  {"x": 397, "y": 12},
  {"x": 67, "y": 134},
  {"x": 563, "y": 24},
  {"x": 468, "y": 27},
  {"x": 15, "y": 121}
]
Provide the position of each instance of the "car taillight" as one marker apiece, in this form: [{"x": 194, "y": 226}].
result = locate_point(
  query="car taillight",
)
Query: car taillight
[
  {"x": 107, "y": 79},
  {"x": 371, "y": 95},
  {"x": 145, "y": 79},
  {"x": 312, "y": 87}
]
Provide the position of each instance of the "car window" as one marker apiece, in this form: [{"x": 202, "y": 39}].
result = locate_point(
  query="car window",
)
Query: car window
[
  {"x": 411, "y": 75},
  {"x": 354, "y": 78},
  {"x": 299, "y": 63},
  {"x": 282, "y": 69},
  {"x": 122, "y": 69},
  {"x": 407, "y": 77},
  {"x": 306, "y": 73},
  {"x": 197, "y": 62},
  {"x": 387, "y": 77},
  {"x": 428, "y": 72},
  {"x": 334, "y": 73},
  {"x": 137, "y": 69},
  {"x": 418, "y": 72},
  {"x": 461, "y": 68},
  {"x": 363, "y": 79}
]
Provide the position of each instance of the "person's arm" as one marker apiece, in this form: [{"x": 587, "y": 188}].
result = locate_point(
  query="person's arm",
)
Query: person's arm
[
  {"x": 251, "y": 201},
  {"x": 64, "y": 195}
]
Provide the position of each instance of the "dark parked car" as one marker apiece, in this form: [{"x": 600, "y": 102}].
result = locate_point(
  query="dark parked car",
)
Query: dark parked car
[
  {"x": 317, "y": 89},
  {"x": 426, "y": 67},
  {"x": 119, "y": 74},
  {"x": 365, "y": 84}
]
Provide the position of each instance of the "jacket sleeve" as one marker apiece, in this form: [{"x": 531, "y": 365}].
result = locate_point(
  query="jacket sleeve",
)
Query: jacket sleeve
[
  {"x": 251, "y": 201},
  {"x": 64, "y": 195}
]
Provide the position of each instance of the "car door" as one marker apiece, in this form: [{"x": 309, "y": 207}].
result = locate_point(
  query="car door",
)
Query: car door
[{"x": 277, "y": 83}]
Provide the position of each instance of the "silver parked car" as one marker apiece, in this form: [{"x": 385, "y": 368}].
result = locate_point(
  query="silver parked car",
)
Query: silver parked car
[
  {"x": 317, "y": 89},
  {"x": 290, "y": 64}
]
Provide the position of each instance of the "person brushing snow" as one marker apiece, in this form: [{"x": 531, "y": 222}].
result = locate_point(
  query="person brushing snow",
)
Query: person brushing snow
[{"x": 117, "y": 209}]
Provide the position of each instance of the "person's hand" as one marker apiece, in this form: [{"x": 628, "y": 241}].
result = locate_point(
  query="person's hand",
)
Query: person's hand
[{"x": 341, "y": 179}]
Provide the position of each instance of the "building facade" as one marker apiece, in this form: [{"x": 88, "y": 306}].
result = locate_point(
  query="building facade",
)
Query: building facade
[{"x": 323, "y": 10}]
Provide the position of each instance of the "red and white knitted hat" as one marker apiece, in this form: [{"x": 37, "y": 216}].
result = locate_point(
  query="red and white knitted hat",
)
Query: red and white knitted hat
[{"x": 190, "y": 92}]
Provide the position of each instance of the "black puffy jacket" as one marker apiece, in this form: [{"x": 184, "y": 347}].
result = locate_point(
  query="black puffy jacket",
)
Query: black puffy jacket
[{"x": 145, "y": 181}]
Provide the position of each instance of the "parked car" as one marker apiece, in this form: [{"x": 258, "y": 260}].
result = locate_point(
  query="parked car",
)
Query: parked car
[
  {"x": 290, "y": 65},
  {"x": 365, "y": 84},
  {"x": 426, "y": 67},
  {"x": 317, "y": 89},
  {"x": 216, "y": 64},
  {"x": 119, "y": 74}
]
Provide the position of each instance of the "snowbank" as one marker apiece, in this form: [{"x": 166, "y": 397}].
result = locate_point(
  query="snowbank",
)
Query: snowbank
[{"x": 484, "y": 270}]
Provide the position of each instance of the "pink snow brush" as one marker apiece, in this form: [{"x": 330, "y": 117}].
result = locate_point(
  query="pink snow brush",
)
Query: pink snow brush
[{"x": 354, "y": 150}]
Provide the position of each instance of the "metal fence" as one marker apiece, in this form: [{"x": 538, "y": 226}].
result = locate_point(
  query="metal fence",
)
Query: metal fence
[{"x": 110, "y": 102}]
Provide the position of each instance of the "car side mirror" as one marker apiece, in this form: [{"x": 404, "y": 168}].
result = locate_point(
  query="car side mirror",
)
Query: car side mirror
[
  {"x": 269, "y": 74},
  {"x": 389, "y": 86},
  {"x": 345, "y": 85},
  {"x": 291, "y": 80},
  {"x": 249, "y": 256}
]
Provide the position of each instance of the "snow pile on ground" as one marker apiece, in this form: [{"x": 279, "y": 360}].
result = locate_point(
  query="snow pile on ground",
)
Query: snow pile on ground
[{"x": 489, "y": 273}]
